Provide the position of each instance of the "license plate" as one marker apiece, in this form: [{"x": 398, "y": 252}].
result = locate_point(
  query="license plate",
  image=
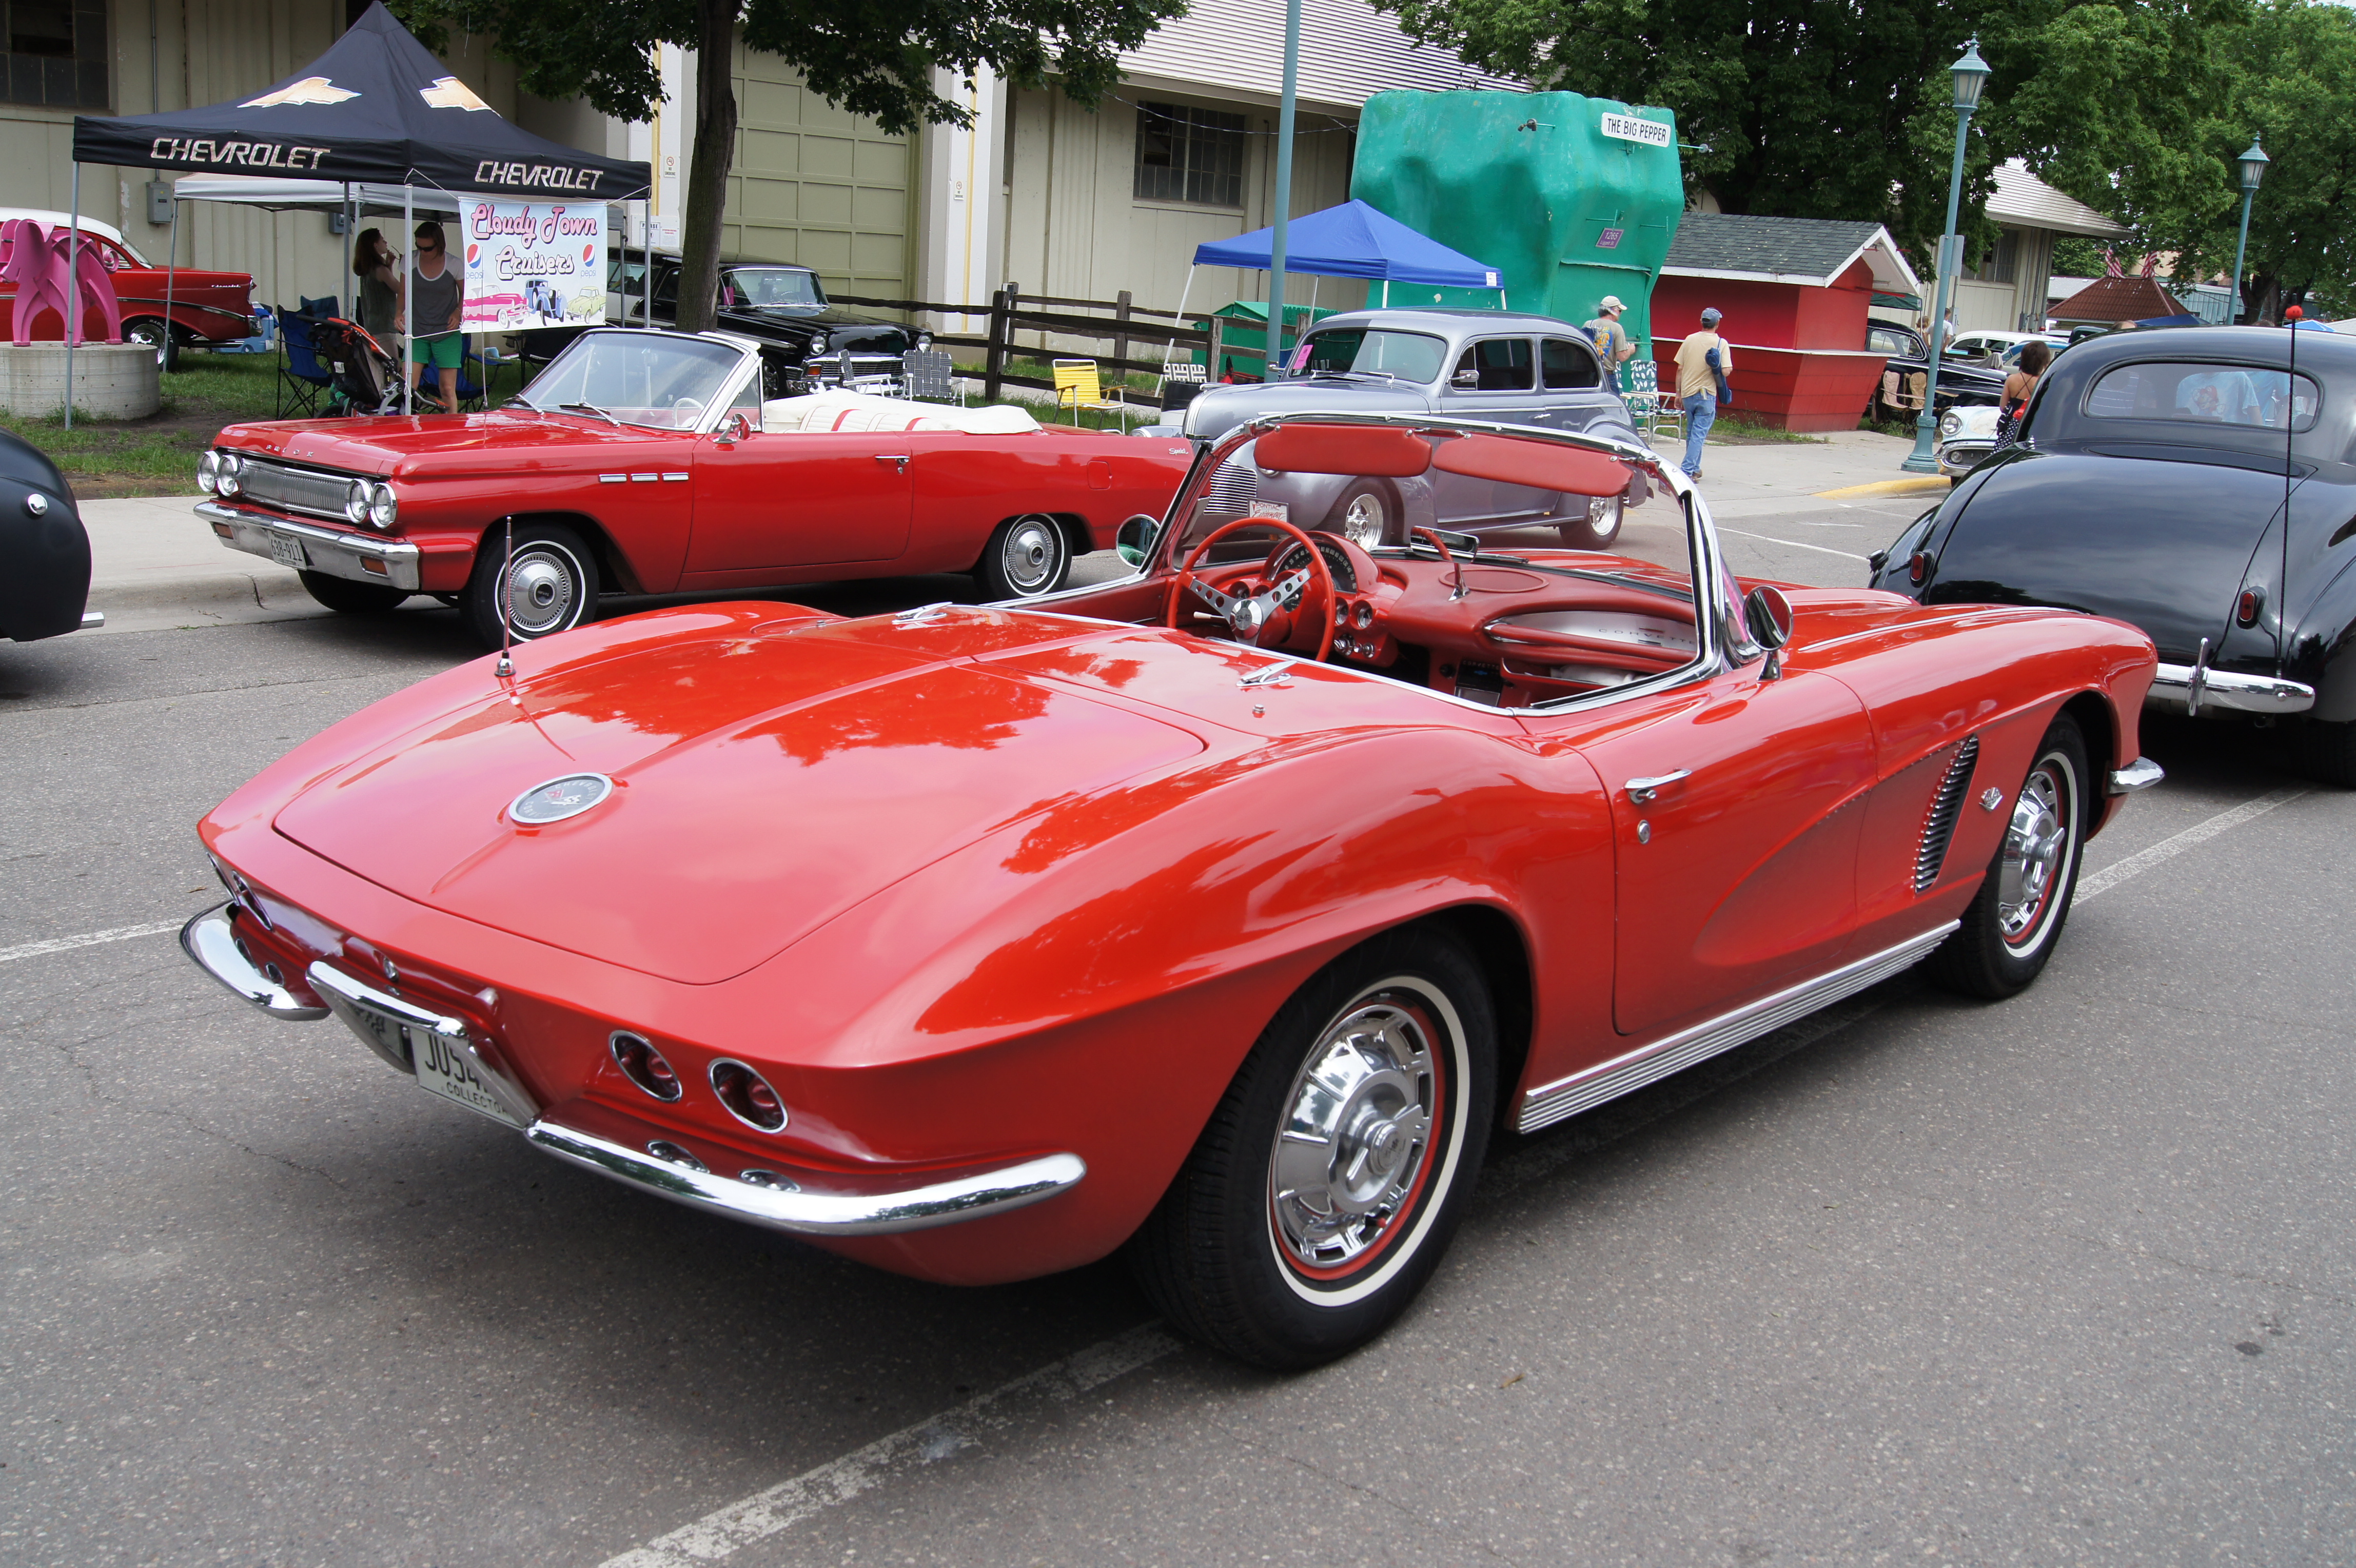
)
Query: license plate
[
  {"x": 1275, "y": 512},
  {"x": 288, "y": 551},
  {"x": 446, "y": 1067}
]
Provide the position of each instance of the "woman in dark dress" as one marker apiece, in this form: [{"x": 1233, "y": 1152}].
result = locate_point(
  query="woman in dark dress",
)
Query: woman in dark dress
[
  {"x": 2017, "y": 387},
  {"x": 378, "y": 269}
]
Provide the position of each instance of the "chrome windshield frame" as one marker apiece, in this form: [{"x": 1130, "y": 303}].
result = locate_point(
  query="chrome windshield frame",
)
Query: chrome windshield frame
[{"x": 748, "y": 354}]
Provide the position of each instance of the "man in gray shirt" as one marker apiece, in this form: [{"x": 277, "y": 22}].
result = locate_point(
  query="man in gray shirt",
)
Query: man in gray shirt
[{"x": 436, "y": 295}]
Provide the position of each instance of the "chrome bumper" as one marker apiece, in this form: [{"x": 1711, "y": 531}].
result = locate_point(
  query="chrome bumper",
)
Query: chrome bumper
[
  {"x": 776, "y": 1201},
  {"x": 333, "y": 552},
  {"x": 2140, "y": 774},
  {"x": 212, "y": 943},
  {"x": 1957, "y": 460},
  {"x": 758, "y": 1195},
  {"x": 2191, "y": 689}
]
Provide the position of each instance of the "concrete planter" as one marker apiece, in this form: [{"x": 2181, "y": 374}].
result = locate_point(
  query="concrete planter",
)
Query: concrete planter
[{"x": 112, "y": 381}]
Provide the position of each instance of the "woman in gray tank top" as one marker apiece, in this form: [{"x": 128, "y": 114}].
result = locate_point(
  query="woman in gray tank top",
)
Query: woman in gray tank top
[{"x": 436, "y": 298}]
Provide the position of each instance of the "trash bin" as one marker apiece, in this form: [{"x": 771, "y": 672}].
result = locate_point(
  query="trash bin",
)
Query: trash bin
[{"x": 1243, "y": 336}]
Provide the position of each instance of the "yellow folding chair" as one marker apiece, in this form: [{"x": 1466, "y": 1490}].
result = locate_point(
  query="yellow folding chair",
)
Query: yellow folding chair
[{"x": 1077, "y": 387}]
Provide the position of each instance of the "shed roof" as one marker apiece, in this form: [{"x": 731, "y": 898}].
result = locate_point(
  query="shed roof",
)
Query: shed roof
[
  {"x": 2118, "y": 299},
  {"x": 2025, "y": 201},
  {"x": 1814, "y": 252}
]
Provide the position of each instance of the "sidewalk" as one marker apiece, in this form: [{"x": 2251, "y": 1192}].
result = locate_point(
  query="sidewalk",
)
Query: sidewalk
[
  {"x": 154, "y": 566},
  {"x": 1739, "y": 480}
]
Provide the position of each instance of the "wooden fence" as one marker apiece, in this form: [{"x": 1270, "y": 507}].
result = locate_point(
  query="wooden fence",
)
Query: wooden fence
[{"x": 1009, "y": 311}]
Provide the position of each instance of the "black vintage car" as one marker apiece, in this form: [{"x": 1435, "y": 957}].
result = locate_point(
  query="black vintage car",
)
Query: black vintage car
[
  {"x": 44, "y": 553},
  {"x": 782, "y": 306},
  {"x": 2200, "y": 483}
]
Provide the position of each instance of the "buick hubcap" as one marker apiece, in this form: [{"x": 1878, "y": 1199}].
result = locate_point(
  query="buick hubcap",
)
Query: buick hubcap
[
  {"x": 540, "y": 593},
  {"x": 2036, "y": 853},
  {"x": 1032, "y": 549},
  {"x": 1357, "y": 1133}
]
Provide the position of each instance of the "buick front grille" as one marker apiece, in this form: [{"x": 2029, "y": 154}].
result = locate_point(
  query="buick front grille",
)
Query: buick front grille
[
  {"x": 1946, "y": 805},
  {"x": 294, "y": 489}
]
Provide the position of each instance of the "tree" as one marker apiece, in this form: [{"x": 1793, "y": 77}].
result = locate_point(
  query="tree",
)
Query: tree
[
  {"x": 1802, "y": 108},
  {"x": 2285, "y": 75},
  {"x": 874, "y": 58}
]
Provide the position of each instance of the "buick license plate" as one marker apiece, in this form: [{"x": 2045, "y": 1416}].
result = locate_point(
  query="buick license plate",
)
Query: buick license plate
[
  {"x": 288, "y": 551},
  {"x": 1275, "y": 512}
]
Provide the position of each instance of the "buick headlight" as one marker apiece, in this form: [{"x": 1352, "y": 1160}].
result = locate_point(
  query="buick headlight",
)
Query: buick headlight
[
  {"x": 1949, "y": 422},
  {"x": 208, "y": 472},
  {"x": 356, "y": 501},
  {"x": 230, "y": 477},
  {"x": 384, "y": 508}
]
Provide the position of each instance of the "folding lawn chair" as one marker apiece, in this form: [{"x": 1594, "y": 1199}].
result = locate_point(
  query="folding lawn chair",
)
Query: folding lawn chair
[
  {"x": 1077, "y": 387},
  {"x": 301, "y": 377},
  {"x": 1652, "y": 411},
  {"x": 929, "y": 373}
]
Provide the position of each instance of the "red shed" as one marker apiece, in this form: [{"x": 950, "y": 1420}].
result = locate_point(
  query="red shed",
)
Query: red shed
[{"x": 1795, "y": 293}]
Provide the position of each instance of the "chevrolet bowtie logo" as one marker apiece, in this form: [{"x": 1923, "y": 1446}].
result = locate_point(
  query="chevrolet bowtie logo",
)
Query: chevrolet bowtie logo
[
  {"x": 310, "y": 90},
  {"x": 449, "y": 92}
]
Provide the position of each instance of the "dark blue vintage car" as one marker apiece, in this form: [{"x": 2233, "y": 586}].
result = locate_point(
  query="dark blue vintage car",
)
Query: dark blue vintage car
[
  {"x": 2199, "y": 482},
  {"x": 44, "y": 553}
]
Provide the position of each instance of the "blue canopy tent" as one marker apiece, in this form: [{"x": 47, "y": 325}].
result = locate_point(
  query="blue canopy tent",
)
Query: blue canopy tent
[{"x": 1351, "y": 240}]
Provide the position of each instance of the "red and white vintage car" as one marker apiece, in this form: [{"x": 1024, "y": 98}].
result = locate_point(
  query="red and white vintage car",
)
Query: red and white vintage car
[
  {"x": 1220, "y": 912},
  {"x": 205, "y": 308},
  {"x": 654, "y": 463}
]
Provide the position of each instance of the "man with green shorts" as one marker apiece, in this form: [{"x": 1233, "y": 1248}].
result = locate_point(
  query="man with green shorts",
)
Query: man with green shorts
[{"x": 436, "y": 295}]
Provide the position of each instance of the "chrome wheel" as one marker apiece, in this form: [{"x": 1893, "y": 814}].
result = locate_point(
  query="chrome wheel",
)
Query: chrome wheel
[
  {"x": 1031, "y": 555},
  {"x": 1356, "y": 1138},
  {"x": 543, "y": 590},
  {"x": 1363, "y": 519},
  {"x": 2038, "y": 847}
]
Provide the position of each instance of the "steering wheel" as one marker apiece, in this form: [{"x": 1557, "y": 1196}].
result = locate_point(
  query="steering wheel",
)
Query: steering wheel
[
  {"x": 686, "y": 412},
  {"x": 1249, "y": 617}
]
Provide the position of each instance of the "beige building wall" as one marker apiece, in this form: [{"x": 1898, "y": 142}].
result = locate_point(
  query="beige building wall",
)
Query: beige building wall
[
  {"x": 1075, "y": 227},
  {"x": 816, "y": 186},
  {"x": 206, "y": 51},
  {"x": 1988, "y": 305}
]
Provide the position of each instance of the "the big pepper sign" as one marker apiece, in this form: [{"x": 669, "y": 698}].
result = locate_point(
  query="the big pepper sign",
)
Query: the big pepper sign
[{"x": 533, "y": 264}]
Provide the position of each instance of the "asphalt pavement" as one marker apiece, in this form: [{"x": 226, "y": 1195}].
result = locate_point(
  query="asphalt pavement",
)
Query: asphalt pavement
[{"x": 2062, "y": 1279}]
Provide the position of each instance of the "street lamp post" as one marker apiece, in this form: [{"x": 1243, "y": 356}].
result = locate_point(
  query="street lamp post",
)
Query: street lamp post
[
  {"x": 1971, "y": 74},
  {"x": 2253, "y": 164}
]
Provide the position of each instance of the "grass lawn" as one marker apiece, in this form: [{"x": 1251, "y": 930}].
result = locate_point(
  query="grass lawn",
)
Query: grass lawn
[{"x": 157, "y": 456}]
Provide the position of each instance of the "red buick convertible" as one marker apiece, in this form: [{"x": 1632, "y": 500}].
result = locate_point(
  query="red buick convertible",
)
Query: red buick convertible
[
  {"x": 1220, "y": 913},
  {"x": 654, "y": 463}
]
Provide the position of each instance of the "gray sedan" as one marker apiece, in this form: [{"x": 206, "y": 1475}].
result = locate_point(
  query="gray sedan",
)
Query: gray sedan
[{"x": 1490, "y": 365}]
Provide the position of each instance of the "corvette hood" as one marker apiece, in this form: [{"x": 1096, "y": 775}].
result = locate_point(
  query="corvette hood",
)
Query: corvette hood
[
  {"x": 494, "y": 441},
  {"x": 764, "y": 782}
]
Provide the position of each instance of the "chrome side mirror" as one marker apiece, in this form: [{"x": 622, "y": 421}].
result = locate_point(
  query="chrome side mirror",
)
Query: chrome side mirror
[
  {"x": 733, "y": 429},
  {"x": 1134, "y": 537},
  {"x": 1768, "y": 615}
]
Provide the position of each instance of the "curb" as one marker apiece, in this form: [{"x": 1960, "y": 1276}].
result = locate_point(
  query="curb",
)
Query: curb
[{"x": 1920, "y": 485}]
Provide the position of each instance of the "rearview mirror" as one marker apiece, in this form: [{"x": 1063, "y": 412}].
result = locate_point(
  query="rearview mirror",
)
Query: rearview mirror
[
  {"x": 1135, "y": 536},
  {"x": 734, "y": 428},
  {"x": 1768, "y": 614}
]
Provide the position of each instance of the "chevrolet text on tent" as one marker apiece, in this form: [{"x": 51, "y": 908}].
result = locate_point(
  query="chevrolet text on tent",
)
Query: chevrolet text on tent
[{"x": 176, "y": 150}]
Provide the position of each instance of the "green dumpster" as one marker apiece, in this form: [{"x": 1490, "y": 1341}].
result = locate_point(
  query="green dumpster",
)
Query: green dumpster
[{"x": 1243, "y": 336}]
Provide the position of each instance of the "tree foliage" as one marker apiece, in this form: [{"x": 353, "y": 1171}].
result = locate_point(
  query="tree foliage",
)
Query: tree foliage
[{"x": 873, "y": 58}]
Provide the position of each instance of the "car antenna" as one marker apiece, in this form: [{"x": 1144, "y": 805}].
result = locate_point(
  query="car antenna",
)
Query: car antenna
[
  {"x": 507, "y": 611},
  {"x": 2290, "y": 441}
]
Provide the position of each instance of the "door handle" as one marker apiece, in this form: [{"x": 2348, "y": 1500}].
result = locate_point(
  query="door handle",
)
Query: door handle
[
  {"x": 1642, "y": 791},
  {"x": 899, "y": 457}
]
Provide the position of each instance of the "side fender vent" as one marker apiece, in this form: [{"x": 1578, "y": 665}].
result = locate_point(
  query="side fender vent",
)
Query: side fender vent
[{"x": 1946, "y": 805}]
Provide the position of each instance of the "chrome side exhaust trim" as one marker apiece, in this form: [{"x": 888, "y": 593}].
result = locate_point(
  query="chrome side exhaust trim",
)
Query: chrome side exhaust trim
[{"x": 777, "y": 1204}]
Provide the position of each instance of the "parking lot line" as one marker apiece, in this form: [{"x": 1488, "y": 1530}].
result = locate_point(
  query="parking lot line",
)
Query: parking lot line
[
  {"x": 1819, "y": 549},
  {"x": 89, "y": 939},
  {"x": 765, "y": 1513}
]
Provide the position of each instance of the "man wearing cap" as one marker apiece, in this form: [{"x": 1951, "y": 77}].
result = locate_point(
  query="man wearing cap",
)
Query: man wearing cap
[
  {"x": 1610, "y": 339},
  {"x": 1704, "y": 362}
]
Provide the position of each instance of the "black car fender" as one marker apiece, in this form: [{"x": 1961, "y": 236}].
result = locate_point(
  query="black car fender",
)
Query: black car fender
[{"x": 44, "y": 550}]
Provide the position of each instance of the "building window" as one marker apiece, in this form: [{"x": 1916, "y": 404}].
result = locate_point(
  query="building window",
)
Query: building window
[
  {"x": 1189, "y": 155},
  {"x": 56, "y": 52},
  {"x": 1996, "y": 265}
]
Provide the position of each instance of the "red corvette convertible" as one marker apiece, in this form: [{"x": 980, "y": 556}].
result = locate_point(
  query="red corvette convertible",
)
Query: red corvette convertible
[
  {"x": 1220, "y": 912},
  {"x": 653, "y": 463}
]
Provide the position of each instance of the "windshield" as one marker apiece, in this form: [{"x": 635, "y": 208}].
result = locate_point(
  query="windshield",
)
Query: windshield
[
  {"x": 760, "y": 288},
  {"x": 1409, "y": 356},
  {"x": 638, "y": 378},
  {"x": 2197, "y": 393}
]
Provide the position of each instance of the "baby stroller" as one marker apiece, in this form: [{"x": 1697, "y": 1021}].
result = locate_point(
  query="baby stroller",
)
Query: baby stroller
[{"x": 364, "y": 375}]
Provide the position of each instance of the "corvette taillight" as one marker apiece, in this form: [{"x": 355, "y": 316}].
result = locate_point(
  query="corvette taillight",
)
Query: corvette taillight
[
  {"x": 644, "y": 1065},
  {"x": 747, "y": 1096},
  {"x": 2247, "y": 608}
]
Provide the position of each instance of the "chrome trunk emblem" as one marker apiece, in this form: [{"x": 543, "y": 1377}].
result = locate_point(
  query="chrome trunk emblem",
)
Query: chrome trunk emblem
[{"x": 559, "y": 798}]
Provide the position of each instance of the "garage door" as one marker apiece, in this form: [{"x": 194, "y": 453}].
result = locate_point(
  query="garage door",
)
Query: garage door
[{"x": 815, "y": 184}]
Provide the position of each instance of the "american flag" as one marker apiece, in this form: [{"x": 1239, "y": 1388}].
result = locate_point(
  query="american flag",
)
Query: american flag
[
  {"x": 2111, "y": 264},
  {"x": 2151, "y": 262}
]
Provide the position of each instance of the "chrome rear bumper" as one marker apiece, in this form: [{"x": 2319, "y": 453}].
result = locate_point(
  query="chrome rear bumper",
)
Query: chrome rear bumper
[
  {"x": 778, "y": 1200},
  {"x": 2140, "y": 774},
  {"x": 330, "y": 551},
  {"x": 2190, "y": 689}
]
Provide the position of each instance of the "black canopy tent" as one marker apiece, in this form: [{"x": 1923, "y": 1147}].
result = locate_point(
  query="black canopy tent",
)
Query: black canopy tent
[{"x": 376, "y": 108}]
